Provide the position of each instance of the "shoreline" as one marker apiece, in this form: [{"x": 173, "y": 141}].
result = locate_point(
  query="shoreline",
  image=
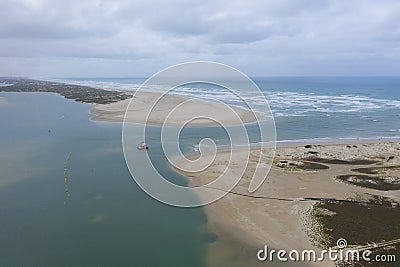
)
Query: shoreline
[
  {"x": 286, "y": 224},
  {"x": 111, "y": 104},
  {"x": 283, "y": 221},
  {"x": 79, "y": 93},
  {"x": 337, "y": 141}
]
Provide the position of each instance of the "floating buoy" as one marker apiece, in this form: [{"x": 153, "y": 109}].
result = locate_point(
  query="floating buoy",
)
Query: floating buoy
[{"x": 142, "y": 146}]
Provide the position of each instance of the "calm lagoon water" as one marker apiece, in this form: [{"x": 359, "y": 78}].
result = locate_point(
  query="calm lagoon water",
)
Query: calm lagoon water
[{"x": 107, "y": 220}]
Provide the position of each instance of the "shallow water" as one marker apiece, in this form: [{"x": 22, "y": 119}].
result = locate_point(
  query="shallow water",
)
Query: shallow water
[{"x": 107, "y": 220}]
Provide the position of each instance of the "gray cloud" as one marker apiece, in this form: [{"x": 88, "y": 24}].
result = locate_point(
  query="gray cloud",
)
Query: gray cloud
[
  {"x": 261, "y": 37},
  {"x": 53, "y": 20}
]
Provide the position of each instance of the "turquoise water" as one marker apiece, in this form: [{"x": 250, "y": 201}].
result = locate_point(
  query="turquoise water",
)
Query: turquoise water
[{"x": 107, "y": 220}]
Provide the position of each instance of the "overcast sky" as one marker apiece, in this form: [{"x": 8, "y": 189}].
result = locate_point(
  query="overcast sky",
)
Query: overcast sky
[{"x": 94, "y": 38}]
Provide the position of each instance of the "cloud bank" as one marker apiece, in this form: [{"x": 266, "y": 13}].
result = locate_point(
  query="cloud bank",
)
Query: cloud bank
[{"x": 137, "y": 38}]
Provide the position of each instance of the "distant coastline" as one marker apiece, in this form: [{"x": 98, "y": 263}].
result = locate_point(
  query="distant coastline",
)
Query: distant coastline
[
  {"x": 78, "y": 93},
  {"x": 111, "y": 104}
]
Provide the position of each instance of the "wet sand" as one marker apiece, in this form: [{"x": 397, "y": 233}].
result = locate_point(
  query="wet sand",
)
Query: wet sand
[
  {"x": 278, "y": 213},
  {"x": 141, "y": 110}
]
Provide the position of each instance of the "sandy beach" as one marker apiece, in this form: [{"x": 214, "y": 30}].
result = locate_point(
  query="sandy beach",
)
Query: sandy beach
[
  {"x": 278, "y": 213},
  {"x": 312, "y": 196},
  {"x": 183, "y": 109},
  {"x": 199, "y": 133},
  {"x": 281, "y": 213}
]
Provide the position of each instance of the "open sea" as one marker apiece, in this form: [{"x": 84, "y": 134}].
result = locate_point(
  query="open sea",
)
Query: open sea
[
  {"x": 306, "y": 107},
  {"x": 89, "y": 212}
]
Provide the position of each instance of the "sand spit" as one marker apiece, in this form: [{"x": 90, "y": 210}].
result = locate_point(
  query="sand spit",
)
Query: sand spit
[
  {"x": 183, "y": 109},
  {"x": 279, "y": 213}
]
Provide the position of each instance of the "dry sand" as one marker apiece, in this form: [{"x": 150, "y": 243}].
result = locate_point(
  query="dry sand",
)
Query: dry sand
[
  {"x": 277, "y": 213},
  {"x": 185, "y": 109},
  {"x": 278, "y": 218}
]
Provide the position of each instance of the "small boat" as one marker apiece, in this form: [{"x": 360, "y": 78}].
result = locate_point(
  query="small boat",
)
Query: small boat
[{"x": 142, "y": 146}]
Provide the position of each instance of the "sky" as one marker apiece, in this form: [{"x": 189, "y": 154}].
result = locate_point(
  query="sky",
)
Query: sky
[{"x": 128, "y": 38}]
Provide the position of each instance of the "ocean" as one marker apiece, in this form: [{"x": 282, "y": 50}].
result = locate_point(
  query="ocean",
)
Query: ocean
[
  {"x": 105, "y": 219},
  {"x": 319, "y": 108}
]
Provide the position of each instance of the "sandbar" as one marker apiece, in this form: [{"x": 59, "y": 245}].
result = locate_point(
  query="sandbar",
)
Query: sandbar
[
  {"x": 277, "y": 213},
  {"x": 183, "y": 109}
]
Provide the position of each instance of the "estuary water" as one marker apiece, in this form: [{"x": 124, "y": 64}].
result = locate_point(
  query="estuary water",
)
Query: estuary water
[
  {"x": 106, "y": 220},
  {"x": 96, "y": 215}
]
